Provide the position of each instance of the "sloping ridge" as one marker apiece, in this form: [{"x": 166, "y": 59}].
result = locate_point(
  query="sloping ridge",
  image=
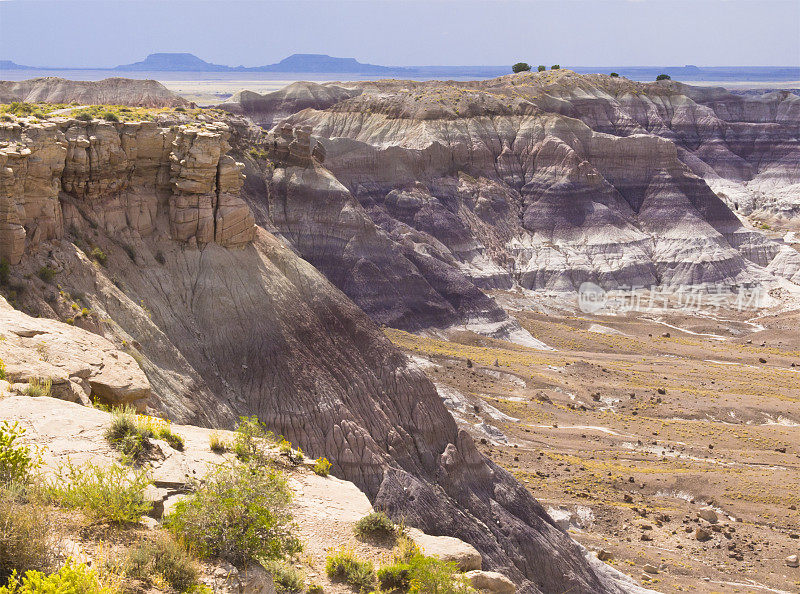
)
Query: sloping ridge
[{"x": 113, "y": 91}]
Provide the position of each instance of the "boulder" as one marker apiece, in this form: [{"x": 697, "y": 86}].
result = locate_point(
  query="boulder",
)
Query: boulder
[
  {"x": 253, "y": 579},
  {"x": 490, "y": 581},
  {"x": 447, "y": 548},
  {"x": 709, "y": 515}
]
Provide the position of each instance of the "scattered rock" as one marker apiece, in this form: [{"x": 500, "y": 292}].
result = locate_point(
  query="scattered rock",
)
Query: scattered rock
[
  {"x": 491, "y": 581},
  {"x": 447, "y": 548},
  {"x": 709, "y": 515},
  {"x": 702, "y": 535},
  {"x": 792, "y": 561}
]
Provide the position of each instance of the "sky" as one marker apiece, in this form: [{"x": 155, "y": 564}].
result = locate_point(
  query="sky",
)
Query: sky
[{"x": 103, "y": 33}]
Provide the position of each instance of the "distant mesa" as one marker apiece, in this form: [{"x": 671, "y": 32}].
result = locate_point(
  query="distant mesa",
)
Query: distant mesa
[
  {"x": 295, "y": 63},
  {"x": 9, "y": 65},
  {"x": 173, "y": 61}
]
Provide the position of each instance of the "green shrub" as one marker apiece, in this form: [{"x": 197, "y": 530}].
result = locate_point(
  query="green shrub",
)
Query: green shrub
[
  {"x": 72, "y": 578},
  {"x": 2, "y": 370},
  {"x": 285, "y": 577},
  {"x": 27, "y": 537},
  {"x": 5, "y": 271},
  {"x": 344, "y": 566},
  {"x": 165, "y": 559},
  {"x": 315, "y": 589},
  {"x": 322, "y": 466},
  {"x": 46, "y": 274},
  {"x": 109, "y": 116},
  {"x": 84, "y": 116},
  {"x": 375, "y": 525},
  {"x": 614, "y": 75},
  {"x": 541, "y": 68},
  {"x": 127, "y": 435},
  {"x": 217, "y": 443},
  {"x": 250, "y": 440},
  {"x": 555, "y": 67},
  {"x": 663, "y": 77},
  {"x": 395, "y": 577},
  {"x": 16, "y": 460},
  {"x": 174, "y": 440},
  {"x": 286, "y": 449},
  {"x": 425, "y": 574},
  {"x": 520, "y": 67},
  {"x": 99, "y": 255},
  {"x": 114, "y": 493},
  {"x": 239, "y": 513},
  {"x": 38, "y": 388}
]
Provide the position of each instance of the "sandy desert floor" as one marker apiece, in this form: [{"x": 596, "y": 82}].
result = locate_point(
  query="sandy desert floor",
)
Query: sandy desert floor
[{"x": 635, "y": 424}]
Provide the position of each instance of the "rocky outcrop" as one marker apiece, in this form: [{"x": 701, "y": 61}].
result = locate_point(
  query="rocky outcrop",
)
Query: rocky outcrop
[
  {"x": 78, "y": 365},
  {"x": 119, "y": 176},
  {"x": 109, "y": 91}
]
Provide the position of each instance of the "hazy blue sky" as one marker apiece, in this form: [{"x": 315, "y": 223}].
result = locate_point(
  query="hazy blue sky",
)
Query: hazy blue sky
[{"x": 396, "y": 32}]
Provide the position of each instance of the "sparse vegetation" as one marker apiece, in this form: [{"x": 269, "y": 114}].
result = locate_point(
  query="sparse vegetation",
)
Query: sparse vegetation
[
  {"x": 38, "y": 388},
  {"x": 541, "y": 68},
  {"x": 46, "y": 274},
  {"x": 251, "y": 438},
  {"x": 163, "y": 559},
  {"x": 16, "y": 460},
  {"x": 109, "y": 116},
  {"x": 26, "y": 537},
  {"x": 5, "y": 271},
  {"x": 71, "y": 578},
  {"x": 295, "y": 456},
  {"x": 555, "y": 67},
  {"x": 521, "y": 67},
  {"x": 375, "y": 525},
  {"x": 114, "y": 493},
  {"x": 344, "y": 566},
  {"x": 99, "y": 255},
  {"x": 285, "y": 577},
  {"x": 413, "y": 572},
  {"x": 131, "y": 433},
  {"x": 217, "y": 443},
  {"x": 239, "y": 513},
  {"x": 322, "y": 466}
]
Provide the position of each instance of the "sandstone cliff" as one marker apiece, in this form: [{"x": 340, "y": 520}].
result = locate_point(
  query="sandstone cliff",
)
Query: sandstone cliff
[
  {"x": 136, "y": 232},
  {"x": 112, "y": 91}
]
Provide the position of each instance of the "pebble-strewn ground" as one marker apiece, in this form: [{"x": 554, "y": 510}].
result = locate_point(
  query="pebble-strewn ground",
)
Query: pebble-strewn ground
[{"x": 630, "y": 428}]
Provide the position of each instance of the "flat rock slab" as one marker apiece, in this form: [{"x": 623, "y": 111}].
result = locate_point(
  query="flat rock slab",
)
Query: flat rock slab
[{"x": 447, "y": 548}]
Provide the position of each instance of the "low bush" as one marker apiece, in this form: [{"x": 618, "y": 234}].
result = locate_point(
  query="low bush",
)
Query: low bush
[
  {"x": 375, "y": 525},
  {"x": 346, "y": 567},
  {"x": 520, "y": 67},
  {"x": 114, "y": 493},
  {"x": 614, "y": 75},
  {"x": 423, "y": 574},
  {"x": 315, "y": 589},
  {"x": 395, "y": 577},
  {"x": 295, "y": 456},
  {"x": 239, "y": 513},
  {"x": 555, "y": 67},
  {"x": 250, "y": 440},
  {"x": 27, "y": 537},
  {"x": 46, "y": 274},
  {"x": 16, "y": 460},
  {"x": 174, "y": 440},
  {"x": 71, "y": 578},
  {"x": 541, "y": 68},
  {"x": 217, "y": 443},
  {"x": 99, "y": 255},
  {"x": 109, "y": 116},
  {"x": 163, "y": 559},
  {"x": 2, "y": 370},
  {"x": 663, "y": 77},
  {"x": 38, "y": 388},
  {"x": 285, "y": 577},
  {"x": 127, "y": 435},
  {"x": 322, "y": 466}
]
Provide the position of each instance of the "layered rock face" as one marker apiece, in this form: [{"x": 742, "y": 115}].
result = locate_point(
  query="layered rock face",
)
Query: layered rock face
[
  {"x": 236, "y": 324},
  {"x": 505, "y": 183},
  {"x": 120, "y": 176},
  {"x": 109, "y": 91}
]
